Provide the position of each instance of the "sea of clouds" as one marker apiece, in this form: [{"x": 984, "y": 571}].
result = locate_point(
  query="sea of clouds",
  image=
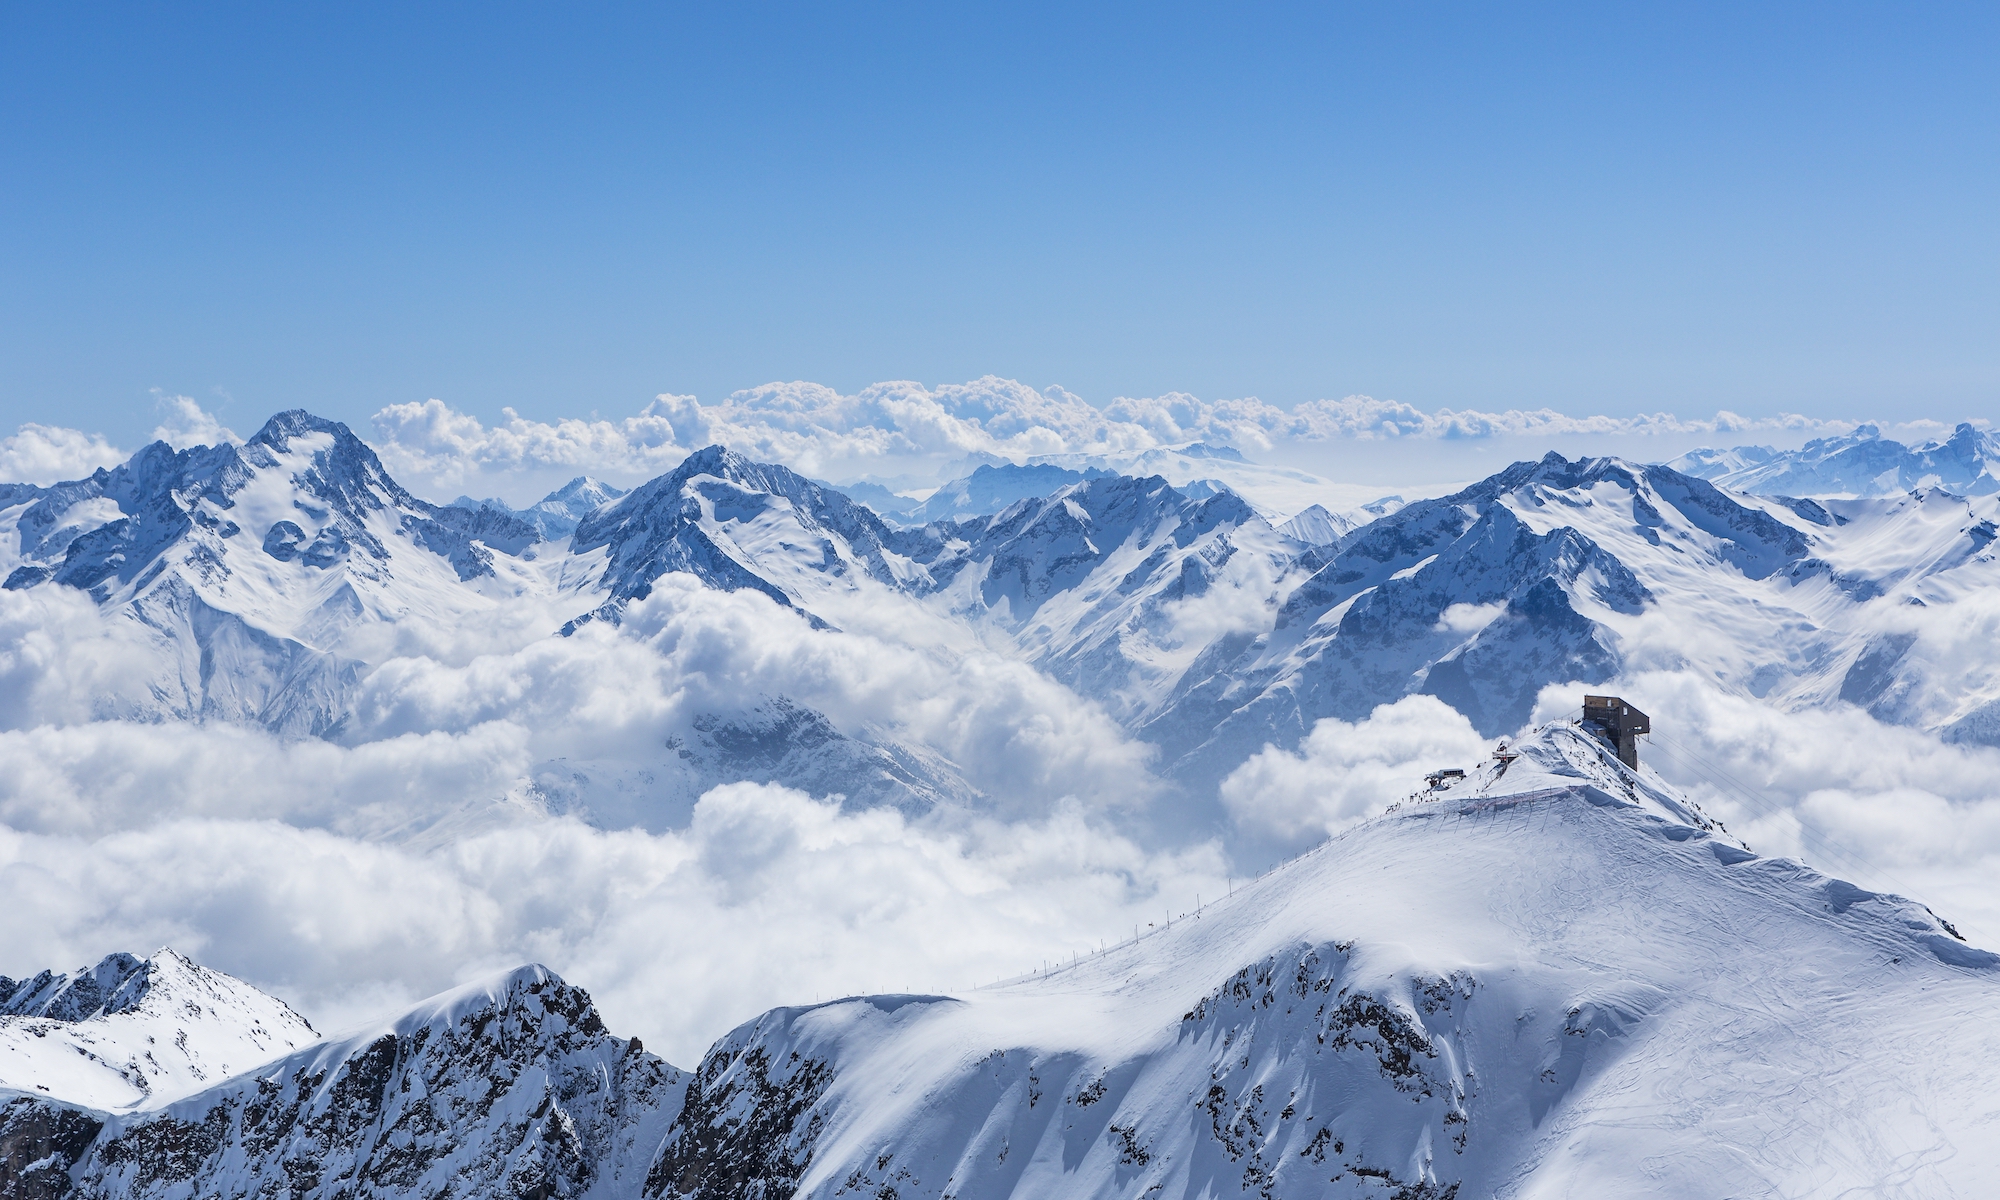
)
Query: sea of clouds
[{"x": 411, "y": 853}]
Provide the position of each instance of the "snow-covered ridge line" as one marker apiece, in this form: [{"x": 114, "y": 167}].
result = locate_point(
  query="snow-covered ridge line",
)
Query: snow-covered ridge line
[
  {"x": 507, "y": 1086},
  {"x": 132, "y": 1033},
  {"x": 1525, "y": 986}
]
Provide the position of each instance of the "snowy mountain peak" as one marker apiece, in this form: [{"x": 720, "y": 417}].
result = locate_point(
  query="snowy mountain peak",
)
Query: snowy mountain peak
[
  {"x": 555, "y": 515},
  {"x": 1563, "y": 755},
  {"x": 259, "y": 572},
  {"x": 734, "y": 524},
  {"x": 582, "y": 495},
  {"x": 279, "y": 431},
  {"x": 132, "y": 1031},
  {"x": 1315, "y": 526},
  {"x": 506, "y": 1087}
]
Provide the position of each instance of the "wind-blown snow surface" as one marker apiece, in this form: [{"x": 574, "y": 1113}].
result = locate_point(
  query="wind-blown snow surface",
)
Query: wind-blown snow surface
[{"x": 1553, "y": 979}]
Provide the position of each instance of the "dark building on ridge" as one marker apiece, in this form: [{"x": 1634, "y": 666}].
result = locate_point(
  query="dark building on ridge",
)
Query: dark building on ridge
[{"x": 1617, "y": 724}]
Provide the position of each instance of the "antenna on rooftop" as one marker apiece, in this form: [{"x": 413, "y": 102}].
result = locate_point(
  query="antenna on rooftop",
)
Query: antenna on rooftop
[{"x": 1617, "y": 724}]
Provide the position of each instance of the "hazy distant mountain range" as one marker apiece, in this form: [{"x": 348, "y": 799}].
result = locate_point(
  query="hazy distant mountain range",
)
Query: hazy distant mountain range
[{"x": 1863, "y": 463}]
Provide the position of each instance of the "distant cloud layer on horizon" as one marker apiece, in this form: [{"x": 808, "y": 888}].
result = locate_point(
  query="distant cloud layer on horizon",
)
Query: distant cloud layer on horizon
[{"x": 895, "y": 429}]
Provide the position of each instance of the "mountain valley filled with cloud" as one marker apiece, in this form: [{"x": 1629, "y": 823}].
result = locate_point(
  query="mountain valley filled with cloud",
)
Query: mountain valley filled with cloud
[{"x": 728, "y": 737}]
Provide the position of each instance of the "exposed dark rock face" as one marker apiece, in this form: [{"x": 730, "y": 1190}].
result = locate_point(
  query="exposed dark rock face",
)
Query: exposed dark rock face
[
  {"x": 40, "y": 1141},
  {"x": 747, "y": 1128},
  {"x": 513, "y": 1090}
]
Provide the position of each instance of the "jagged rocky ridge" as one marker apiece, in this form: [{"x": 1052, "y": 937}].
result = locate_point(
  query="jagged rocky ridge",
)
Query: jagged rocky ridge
[
  {"x": 511, "y": 1087},
  {"x": 133, "y": 1031}
]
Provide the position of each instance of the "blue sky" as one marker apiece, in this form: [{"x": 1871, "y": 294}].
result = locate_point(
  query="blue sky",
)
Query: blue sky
[{"x": 570, "y": 209}]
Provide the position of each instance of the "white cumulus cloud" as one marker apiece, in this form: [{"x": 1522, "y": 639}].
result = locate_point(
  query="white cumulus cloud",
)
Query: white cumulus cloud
[
  {"x": 188, "y": 424},
  {"x": 46, "y": 454},
  {"x": 1346, "y": 771}
]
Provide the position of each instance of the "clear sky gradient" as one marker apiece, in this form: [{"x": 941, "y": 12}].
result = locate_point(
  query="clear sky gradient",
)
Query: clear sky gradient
[{"x": 1601, "y": 208}]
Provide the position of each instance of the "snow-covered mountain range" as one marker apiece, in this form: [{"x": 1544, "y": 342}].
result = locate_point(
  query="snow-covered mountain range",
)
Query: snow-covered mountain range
[
  {"x": 271, "y": 583},
  {"x": 1862, "y": 463},
  {"x": 1553, "y": 975}
]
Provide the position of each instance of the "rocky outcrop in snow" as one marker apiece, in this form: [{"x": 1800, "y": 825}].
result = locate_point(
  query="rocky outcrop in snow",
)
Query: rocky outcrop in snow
[{"x": 506, "y": 1088}]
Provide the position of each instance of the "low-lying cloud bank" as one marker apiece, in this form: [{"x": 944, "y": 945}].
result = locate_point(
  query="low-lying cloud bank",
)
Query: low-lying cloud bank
[
  {"x": 287, "y": 862},
  {"x": 767, "y": 897}
]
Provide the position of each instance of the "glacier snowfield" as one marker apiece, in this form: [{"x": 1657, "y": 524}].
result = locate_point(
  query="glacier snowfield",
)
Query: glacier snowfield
[{"x": 1555, "y": 976}]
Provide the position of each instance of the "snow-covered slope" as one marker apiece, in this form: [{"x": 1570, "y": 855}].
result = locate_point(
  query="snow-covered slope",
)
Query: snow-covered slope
[
  {"x": 509, "y": 1087},
  {"x": 137, "y": 1032},
  {"x": 1863, "y": 463},
  {"x": 1554, "y": 979}
]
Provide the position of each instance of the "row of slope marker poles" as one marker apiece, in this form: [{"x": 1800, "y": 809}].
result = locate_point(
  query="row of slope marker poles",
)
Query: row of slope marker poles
[{"x": 1139, "y": 936}]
